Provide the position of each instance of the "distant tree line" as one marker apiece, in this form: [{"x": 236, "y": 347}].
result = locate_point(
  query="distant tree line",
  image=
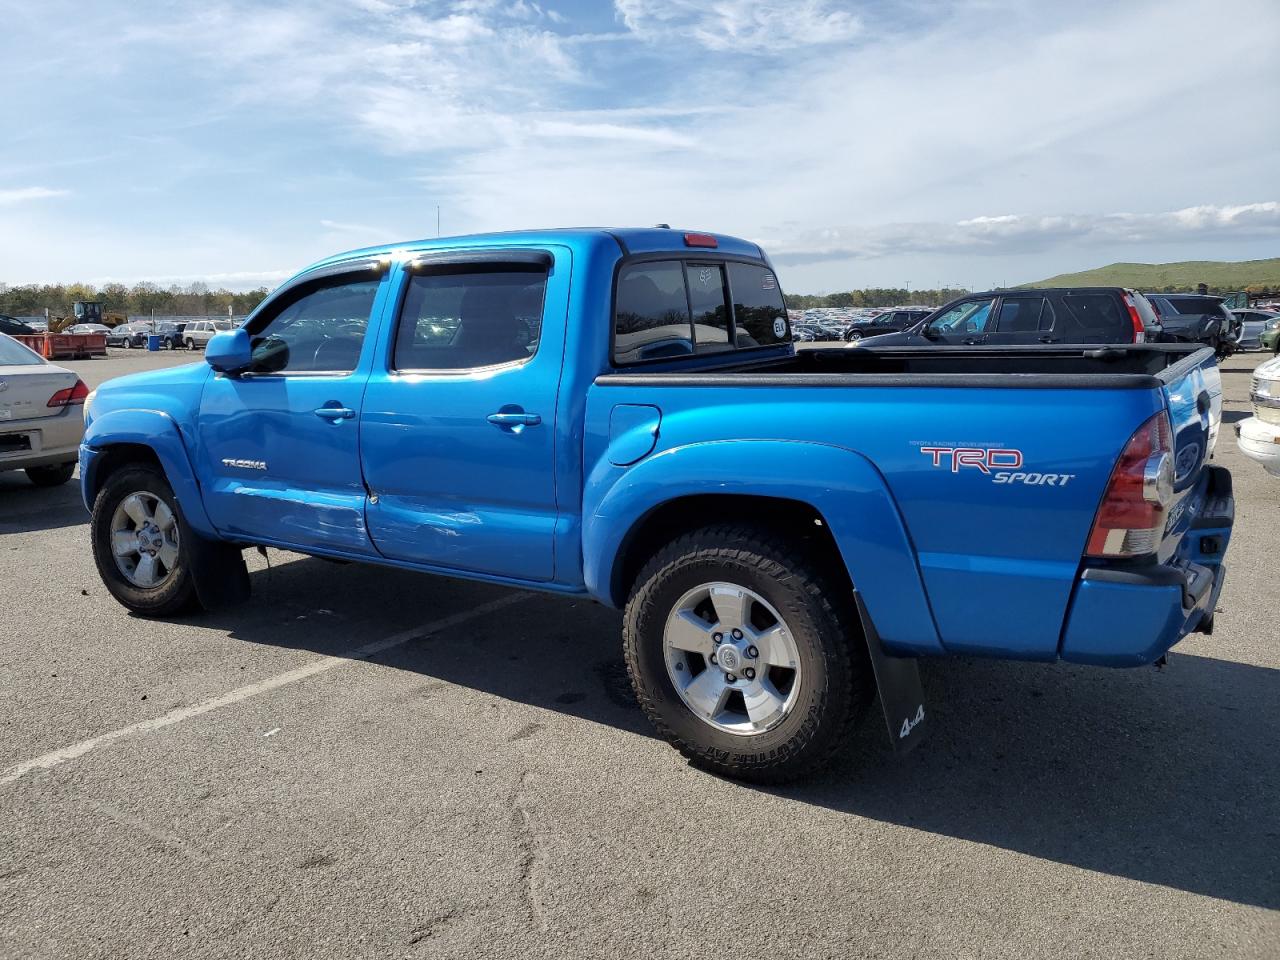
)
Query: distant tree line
[
  {"x": 141, "y": 299},
  {"x": 875, "y": 297}
]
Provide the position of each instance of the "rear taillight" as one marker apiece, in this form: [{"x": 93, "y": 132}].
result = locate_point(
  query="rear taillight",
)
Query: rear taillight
[
  {"x": 1139, "y": 331},
  {"x": 70, "y": 397},
  {"x": 700, "y": 240},
  {"x": 1132, "y": 516}
]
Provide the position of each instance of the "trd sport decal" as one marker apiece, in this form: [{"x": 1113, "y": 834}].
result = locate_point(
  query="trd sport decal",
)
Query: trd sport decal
[{"x": 1001, "y": 464}]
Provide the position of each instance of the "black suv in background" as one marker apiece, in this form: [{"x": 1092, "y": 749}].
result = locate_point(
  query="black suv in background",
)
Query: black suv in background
[
  {"x": 1055, "y": 315},
  {"x": 891, "y": 321},
  {"x": 1197, "y": 318}
]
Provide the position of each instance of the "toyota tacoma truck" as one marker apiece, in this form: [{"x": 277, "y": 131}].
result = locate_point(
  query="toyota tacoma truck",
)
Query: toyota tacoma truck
[{"x": 621, "y": 414}]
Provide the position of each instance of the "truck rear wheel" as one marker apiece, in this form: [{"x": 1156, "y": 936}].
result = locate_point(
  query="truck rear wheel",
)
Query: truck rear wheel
[
  {"x": 141, "y": 543},
  {"x": 743, "y": 654}
]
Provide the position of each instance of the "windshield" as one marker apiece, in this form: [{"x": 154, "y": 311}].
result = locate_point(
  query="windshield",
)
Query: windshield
[{"x": 12, "y": 353}]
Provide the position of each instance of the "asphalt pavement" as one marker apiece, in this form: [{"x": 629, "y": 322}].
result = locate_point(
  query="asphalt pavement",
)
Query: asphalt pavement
[{"x": 364, "y": 762}]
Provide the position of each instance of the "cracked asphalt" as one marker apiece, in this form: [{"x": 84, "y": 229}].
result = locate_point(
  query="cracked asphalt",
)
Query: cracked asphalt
[{"x": 482, "y": 785}]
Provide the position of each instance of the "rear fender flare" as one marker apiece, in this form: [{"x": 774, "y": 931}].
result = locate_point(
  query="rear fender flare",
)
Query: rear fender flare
[
  {"x": 843, "y": 486},
  {"x": 160, "y": 433}
]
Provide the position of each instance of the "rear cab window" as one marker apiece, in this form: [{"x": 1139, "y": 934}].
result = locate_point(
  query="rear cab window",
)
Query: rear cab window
[{"x": 666, "y": 309}]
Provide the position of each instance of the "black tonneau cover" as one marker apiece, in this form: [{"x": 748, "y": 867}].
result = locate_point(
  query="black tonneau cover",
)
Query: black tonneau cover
[{"x": 1131, "y": 366}]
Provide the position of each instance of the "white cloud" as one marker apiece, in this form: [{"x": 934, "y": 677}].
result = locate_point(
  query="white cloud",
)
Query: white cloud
[
  {"x": 741, "y": 25},
  {"x": 337, "y": 226},
  {"x": 837, "y": 134},
  {"x": 1007, "y": 234},
  {"x": 25, "y": 194}
]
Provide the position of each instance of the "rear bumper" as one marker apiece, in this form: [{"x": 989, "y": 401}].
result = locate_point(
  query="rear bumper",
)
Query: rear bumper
[
  {"x": 49, "y": 441},
  {"x": 1125, "y": 617},
  {"x": 1260, "y": 442}
]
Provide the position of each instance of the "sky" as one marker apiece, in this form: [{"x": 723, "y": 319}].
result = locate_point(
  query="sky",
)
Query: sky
[{"x": 971, "y": 144}]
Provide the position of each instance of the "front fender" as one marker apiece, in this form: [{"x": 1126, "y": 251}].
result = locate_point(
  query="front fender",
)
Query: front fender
[
  {"x": 157, "y": 431},
  {"x": 843, "y": 486}
]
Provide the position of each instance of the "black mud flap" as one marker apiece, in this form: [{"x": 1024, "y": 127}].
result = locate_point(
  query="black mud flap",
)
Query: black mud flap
[
  {"x": 898, "y": 683},
  {"x": 221, "y": 576}
]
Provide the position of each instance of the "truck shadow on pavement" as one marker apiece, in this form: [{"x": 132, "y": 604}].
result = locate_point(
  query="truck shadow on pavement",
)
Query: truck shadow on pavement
[
  {"x": 1166, "y": 777},
  {"x": 26, "y": 508}
]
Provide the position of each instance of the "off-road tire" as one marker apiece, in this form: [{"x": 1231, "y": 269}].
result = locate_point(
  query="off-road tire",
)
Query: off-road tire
[
  {"x": 836, "y": 679},
  {"x": 51, "y": 476},
  {"x": 177, "y": 594}
]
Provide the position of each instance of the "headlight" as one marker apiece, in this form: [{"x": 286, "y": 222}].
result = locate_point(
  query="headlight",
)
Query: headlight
[
  {"x": 1273, "y": 324},
  {"x": 88, "y": 402},
  {"x": 1264, "y": 391}
]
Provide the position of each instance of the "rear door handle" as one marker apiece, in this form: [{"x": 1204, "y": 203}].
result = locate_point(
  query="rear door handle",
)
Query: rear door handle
[
  {"x": 514, "y": 419},
  {"x": 334, "y": 414}
]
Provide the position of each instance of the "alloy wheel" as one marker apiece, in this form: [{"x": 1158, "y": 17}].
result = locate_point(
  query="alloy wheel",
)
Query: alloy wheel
[
  {"x": 731, "y": 658},
  {"x": 144, "y": 539}
]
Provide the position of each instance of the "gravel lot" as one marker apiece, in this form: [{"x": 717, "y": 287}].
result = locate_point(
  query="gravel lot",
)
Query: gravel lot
[{"x": 278, "y": 781}]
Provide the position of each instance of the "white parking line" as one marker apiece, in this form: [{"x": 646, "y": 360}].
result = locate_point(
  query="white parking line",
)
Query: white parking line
[{"x": 57, "y": 757}]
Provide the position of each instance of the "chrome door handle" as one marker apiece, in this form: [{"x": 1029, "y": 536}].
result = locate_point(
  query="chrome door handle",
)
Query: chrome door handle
[
  {"x": 334, "y": 414},
  {"x": 514, "y": 419}
]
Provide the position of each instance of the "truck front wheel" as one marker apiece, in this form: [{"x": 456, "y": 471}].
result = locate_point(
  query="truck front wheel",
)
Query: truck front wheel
[
  {"x": 141, "y": 543},
  {"x": 743, "y": 654}
]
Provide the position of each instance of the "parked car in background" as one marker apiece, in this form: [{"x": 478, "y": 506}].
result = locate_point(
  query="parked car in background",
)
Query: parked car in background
[
  {"x": 172, "y": 335},
  {"x": 1259, "y": 436},
  {"x": 804, "y": 332},
  {"x": 1253, "y": 324},
  {"x": 88, "y": 328},
  {"x": 1196, "y": 318},
  {"x": 128, "y": 335},
  {"x": 1012, "y": 317},
  {"x": 41, "y": 421},
  {"x": 198, "y": 333},
  {"x": 1269, "y": 339},
  {"x": 891, "y": 321},
  {"x": 12, "y": 325}
]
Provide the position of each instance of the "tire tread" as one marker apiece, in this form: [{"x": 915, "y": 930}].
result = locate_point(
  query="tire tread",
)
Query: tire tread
[{"x": 780, "y": 558}]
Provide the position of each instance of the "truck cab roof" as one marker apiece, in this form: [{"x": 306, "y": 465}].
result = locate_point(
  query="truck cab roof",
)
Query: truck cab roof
[{"x": 629, "y": 240}]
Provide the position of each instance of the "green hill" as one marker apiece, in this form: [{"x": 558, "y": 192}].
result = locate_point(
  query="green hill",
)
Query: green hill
[{"x": 1220, "y": 276}]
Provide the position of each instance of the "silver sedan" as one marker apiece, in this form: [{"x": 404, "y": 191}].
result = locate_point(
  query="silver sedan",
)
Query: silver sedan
[
  {"x": 1252, "y": 324},
  {"x": 41, "y": 415}
]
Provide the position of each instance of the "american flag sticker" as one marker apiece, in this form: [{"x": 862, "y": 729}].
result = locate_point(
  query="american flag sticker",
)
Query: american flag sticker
[{"x": 769, "y": 283}]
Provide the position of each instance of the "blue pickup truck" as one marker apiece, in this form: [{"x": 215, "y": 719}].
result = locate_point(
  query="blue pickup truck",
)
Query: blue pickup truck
[{"x": 622, "y": 414}]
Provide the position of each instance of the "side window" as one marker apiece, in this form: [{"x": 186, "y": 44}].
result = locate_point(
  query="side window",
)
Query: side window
[
  {"x": 710, "y": 312},
  {"x": 758, "y": 311},
  {"x": 1093, "y": 314},
  {"x": 1023, "y": 315},
  {"x": 968, "y": 317},
  {"x": 651, "y": 318},
  {"x": 321, "y": 331},
  {"x": 463, "y": 318}
]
